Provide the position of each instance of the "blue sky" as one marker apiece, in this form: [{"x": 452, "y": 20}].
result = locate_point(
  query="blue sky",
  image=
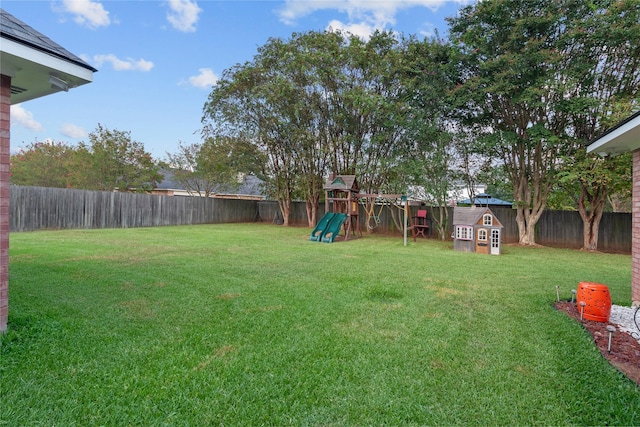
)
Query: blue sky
[{"x": 158, "y": 60}]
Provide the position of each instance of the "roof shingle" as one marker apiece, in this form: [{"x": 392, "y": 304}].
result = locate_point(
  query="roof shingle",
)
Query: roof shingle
[{"x": 14, "y": 29}]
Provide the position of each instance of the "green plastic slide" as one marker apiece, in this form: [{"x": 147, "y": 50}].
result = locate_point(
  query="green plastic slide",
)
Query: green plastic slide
[
  {"x": 316, "y": 234},
  {"x": 333, "y": 228}
]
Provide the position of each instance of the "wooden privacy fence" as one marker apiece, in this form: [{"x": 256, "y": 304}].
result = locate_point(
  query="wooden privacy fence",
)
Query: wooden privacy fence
[
  {"x": 564, "y": 229},
  {"x": 37, "y": 208},
  {"x": 555, "y": 228}
]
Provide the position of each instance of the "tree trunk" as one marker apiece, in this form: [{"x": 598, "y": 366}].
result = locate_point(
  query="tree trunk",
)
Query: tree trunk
[
  {"x": 441, "y": 221},
  {"x": 530, "y": 199},
  {"x": 312, "y": 210},
  {"x": 591, "y": 219},
  {"x": 524, "y": 236},
  {"x": 527, "y": 219},
  {"x": 285, "y": 209},
  {"x": 311, "y": 215},
  {"x": 590, "y": 235}
]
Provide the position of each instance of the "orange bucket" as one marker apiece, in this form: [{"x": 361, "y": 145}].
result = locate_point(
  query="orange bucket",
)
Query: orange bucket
[{"x": 597, "y": 301}]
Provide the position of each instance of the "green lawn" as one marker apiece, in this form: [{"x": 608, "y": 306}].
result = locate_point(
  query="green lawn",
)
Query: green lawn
[{"x": 252, "y": 324}]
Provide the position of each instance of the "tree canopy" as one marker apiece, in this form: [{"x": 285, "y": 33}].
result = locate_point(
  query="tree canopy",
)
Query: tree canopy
[
  {"x": 536, "y": 74},
  {"x": 109, "y": 161},
  {"x": 326, "y": 102}
]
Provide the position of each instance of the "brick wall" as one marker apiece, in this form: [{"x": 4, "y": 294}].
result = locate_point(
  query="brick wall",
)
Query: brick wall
[
  {"x": 635, "y": 230},
  {"x": 5, "y": 123}
]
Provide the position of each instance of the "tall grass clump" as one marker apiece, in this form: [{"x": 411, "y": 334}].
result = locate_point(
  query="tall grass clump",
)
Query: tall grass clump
[{"x": 251, "y": 324}]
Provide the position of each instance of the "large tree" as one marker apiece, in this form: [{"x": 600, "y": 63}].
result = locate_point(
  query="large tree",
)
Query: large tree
[
  {"x": 116, "y": 162},
  {"x": 601, "y": 89},
  {"x": 224, "y": 160},
  {"x": 184, "y": 166},
  {"x": 297, "y": 63},
  {"x": 110, "y": 161},
  {"x": 319, "y": 102},
  {"x": 516, "y": 87},
  {"x": 246, "y": 103},
  {"x": 44, "y": 164},
  {"x": 588, "y": 180},
  {"x": 370, "y": 111},
  {"x": 428, "y": 158},
  {"x": 216, "y": 163},
  {"x": 367, "y": 113}
]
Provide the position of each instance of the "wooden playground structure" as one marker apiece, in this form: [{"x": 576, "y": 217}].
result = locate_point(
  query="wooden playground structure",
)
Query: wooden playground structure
[
  {"x": 342, "y": 210},
  {"x": 341, "y": 196}
]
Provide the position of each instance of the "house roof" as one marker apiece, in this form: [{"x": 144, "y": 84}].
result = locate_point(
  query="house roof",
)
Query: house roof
[
  {"x": 623, "y": 137},
  {"x": 471, "y": 215},
  {"x": 37, "y": 65},
  {"x": 486, "y": 199},
  {"x": 251, "y": 185}
]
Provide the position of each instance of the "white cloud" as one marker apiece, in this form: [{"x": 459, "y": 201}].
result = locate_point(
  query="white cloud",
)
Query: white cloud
[
  {"x": 361, "y": 30},
  {"x": 118, "y": 64},
  {"x": 24, "y": 118},
  {"x": 73, "y": 131},
  {"x": 87, "y": 13},
  {"x": 428, "y": 30},
  {"x": 364, "y": 16},
  {"x": 292, "y": 10},
  {"x": 183, "y": 15},
  {"x": 205, "y": 79}
]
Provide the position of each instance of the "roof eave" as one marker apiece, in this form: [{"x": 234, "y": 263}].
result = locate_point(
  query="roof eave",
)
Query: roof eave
[
  {"x": 30, "y": 70},
  {"x": 619, "y": 139}
]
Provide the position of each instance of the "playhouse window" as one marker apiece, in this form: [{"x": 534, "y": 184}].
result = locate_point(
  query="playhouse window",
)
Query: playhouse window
[
  {"x": 482, "y": 235},
  {"x": 487, "y": 219},
  {"x": 464, "y": 232}
]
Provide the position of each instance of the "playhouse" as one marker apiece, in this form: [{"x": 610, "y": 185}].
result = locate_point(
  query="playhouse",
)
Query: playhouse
[{"x": 476, "y": 229}]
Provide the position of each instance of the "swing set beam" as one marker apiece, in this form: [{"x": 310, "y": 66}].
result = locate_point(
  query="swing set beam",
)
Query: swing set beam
[{"x": 407, "y": 223}]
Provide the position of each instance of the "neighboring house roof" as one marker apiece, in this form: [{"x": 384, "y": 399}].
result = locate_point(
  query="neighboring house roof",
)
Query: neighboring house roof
[
  {"x": 37, "y": 65},
  {"x": 486, "y": 200},
  {"x": 251, "y": 186},
  {"x": 168, "y": 181},
  {"x": 472, "y": 215},
  {"x": 623, "y": 137}
]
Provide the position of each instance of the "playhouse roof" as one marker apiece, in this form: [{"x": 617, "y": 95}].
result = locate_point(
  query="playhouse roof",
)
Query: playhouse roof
[
  {"x": 471, "y": 215},
  {"x": 342, "y": 182}
]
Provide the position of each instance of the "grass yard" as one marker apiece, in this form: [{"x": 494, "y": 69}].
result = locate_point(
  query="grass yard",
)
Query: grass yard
[{"x": 253, "y": 324}]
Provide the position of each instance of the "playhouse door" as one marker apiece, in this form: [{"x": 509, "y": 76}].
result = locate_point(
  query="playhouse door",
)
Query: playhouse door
[
  {"x": 482, "y": 245},
  {"x": 495, "y": 241}
]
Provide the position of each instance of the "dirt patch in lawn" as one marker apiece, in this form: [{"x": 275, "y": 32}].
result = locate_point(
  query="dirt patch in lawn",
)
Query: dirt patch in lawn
[{"x": 625, "y": 349}]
